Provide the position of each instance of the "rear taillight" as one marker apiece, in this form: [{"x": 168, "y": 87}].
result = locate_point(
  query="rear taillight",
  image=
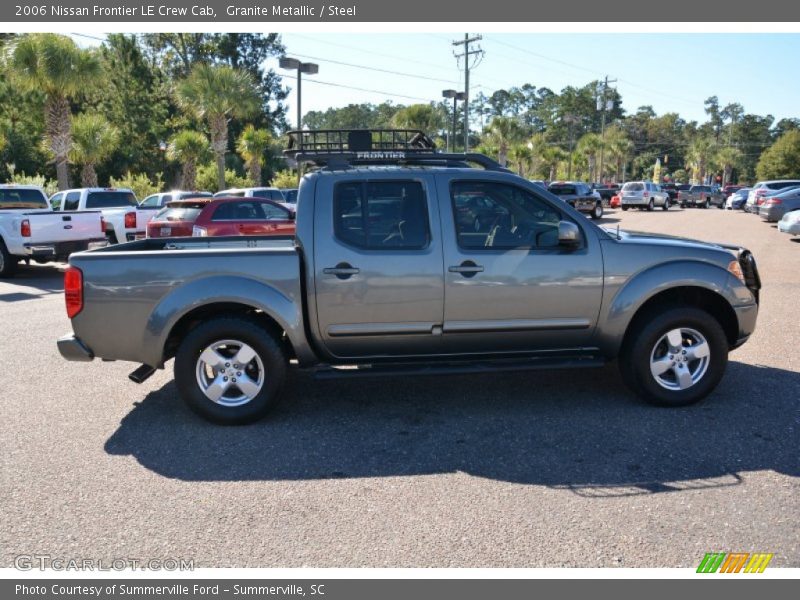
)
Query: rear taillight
[
  {"x": 73, "y": 291},
  {"x": 102, "y": 225},
  {"x": 130, "y": 220},
  {"x": 773, "y": 202},
  {"x": 25, "y": 228}
]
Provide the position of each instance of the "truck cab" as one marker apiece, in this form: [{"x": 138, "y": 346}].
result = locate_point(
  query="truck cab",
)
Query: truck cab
[{"x": 124, "y": 219}]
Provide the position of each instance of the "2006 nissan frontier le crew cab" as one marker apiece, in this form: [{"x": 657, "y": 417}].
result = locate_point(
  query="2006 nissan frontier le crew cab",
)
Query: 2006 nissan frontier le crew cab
[{"x": 408, "y": 260}]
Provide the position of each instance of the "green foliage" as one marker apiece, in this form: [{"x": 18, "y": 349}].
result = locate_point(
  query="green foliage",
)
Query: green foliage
[
  {"x": 94, "y": 139},
  {"x": 50, "y": 186},
  {"x": 207, "y": 178},
  {"x": 782, "y": 159},
  {"x": 140, "y": 183},
  {"x": 680, "y": 176},
  {"x": 284, "y": 179}
]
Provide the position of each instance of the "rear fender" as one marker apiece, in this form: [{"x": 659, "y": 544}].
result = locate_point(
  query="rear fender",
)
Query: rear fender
[{"x": 285, "y": 311}]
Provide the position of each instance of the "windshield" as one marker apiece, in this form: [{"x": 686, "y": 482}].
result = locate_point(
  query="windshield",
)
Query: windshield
[
  {"x": 110, "y": 199},
  {"x": 22, "y": 198},
  {"x": 633, "y": 186}
]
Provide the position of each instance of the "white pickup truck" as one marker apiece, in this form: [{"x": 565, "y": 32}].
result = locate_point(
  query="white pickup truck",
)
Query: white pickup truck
[
  {"x": 124, "y": 219},
  {"x": 30, "y": 230}
]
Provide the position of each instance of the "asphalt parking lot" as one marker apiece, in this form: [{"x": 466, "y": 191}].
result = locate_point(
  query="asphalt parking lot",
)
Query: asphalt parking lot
[{"x": 525, "y": 469}]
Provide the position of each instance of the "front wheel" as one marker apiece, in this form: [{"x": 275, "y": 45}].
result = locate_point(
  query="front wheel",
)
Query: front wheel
[
  {"x": 230, "y": 370},
  {"x": 650, "y": 205},
  {"x": 666, "y": 205},
  {"x": 597, "y": 211},
  {"x": 624, "y": 208},
  {"x": 674, "y": 356},
  {"x": 707, "y": 203}
]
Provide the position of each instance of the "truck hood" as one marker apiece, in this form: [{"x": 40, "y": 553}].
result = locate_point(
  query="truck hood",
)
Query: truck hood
[{"x": 641, "y": 237}]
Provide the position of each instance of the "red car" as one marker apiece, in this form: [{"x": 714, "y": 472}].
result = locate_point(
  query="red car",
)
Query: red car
[
  {"x": 615, "y": 201},
  {"x": 202, "y": 217}
]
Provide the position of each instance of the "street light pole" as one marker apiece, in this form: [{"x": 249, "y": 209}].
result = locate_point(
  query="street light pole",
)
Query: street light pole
[
  {"x": 456, "y": 96},
  {"x": 301, "y": 67}
]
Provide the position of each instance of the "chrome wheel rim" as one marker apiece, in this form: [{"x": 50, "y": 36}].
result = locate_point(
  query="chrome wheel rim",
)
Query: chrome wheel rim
[
  {"x": 230, "y": 373},
  {"x": 680, "y": 359},
  {"x": 598, "y": 211}
]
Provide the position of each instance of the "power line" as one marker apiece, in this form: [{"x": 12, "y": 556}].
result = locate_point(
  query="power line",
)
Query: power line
[{"x": 360, "y": 89}]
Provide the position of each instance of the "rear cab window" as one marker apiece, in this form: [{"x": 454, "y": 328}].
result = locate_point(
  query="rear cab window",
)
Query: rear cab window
[
  {"x": 179, "y": 213},
  {"x": 381, "y": 215},
  {"x": 22, "y": 198},
  {"x": 110, "y": 199},
  {"x": 633, "y": 186}
]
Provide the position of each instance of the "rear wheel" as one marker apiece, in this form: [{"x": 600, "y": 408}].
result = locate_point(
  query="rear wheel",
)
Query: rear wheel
[
  {"x": 707, "y": 203},
  {"x": 230, "y": 370},
  {"x": 650, "y": 204},
  {"x": 624, "y": 208},
  {"x": 597, "y": 211},
  {"x": 674, "y": 356},
  {"x": 666, "y": 205},
  {"x": 8, "y": 263}
]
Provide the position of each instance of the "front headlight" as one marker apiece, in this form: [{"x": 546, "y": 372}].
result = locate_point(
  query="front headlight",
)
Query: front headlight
[{"x": 734, "y": 268}]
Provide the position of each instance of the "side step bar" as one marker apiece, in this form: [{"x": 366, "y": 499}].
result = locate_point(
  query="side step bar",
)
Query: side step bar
[{"x": 456, "y": 368}]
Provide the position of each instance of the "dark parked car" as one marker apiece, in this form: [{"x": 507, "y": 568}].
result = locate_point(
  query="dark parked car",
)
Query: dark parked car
[
  {"x": 738, "y": 199},
  {"x": 579, "y": 196},
  {"x": 606, "y": 191}
]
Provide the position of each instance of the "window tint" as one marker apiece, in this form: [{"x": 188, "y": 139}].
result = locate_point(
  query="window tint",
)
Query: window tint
[
  {"x": 271, "y": 211},
  {"x": 501, "y": 216},
  {"x": 178, "y": 213},
  {"x": 152, "y": 201},
  {"x": 562, "y": 190},
  {"x": 381, "y": 215},
  {"x": 246, "y": 210},
  {"x": 634, "y": 186},
  {"x": 110, "y": 199},
  {"x": 22, "y": 198},
  {"x": 55, "y": 201},
  {"x": 784, "y": 184},
  {"x": 72, "y": 201}
]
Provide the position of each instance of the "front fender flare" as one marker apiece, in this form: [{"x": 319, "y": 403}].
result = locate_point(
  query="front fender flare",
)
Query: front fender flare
[{"x": 619, "y": 310}]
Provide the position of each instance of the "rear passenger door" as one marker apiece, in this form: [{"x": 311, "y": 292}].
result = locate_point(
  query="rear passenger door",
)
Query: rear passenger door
[{"x": 378, "y": 275}]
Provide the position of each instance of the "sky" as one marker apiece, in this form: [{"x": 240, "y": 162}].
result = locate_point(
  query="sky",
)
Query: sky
[{"x": 670, "y": 72}]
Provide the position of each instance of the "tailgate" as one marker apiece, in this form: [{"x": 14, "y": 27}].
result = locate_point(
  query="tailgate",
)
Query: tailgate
[{"x": 64, "y": 226}]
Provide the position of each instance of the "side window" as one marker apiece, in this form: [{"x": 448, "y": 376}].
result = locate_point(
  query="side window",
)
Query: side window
[
  {"x": 72, "y": 200},
  {"x": 276, "y": 196},
  {"x": 151, "y": 201},
  {"x": 271, "y": 211},
  {"x": 239, "y": 211},
  {"x": 505, "y": 217},
  {"x": 55, "y": 201},
  {"x": 261, "y": 194},
  {"x": 381, "y": 215},
  {"x": 225, "y": 212}
]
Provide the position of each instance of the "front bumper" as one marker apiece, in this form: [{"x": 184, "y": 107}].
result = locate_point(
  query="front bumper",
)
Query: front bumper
[
  {"x": 72, "y": 348},
  {"x": 746, "y": 316}
]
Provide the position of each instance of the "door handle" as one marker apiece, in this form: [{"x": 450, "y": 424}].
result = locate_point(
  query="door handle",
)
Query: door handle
[
  {"x": 466, "y": 268},
  {"x": 343, "y": 270}
]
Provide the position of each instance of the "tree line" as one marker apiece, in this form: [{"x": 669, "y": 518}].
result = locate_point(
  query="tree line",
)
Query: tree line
[{"x": 200, "y": 111}]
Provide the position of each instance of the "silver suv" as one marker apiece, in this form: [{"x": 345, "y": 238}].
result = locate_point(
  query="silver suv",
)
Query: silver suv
[{"x": 643, "y": 194}]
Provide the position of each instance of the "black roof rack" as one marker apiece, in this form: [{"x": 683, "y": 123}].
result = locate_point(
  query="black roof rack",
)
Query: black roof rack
[{"x": 345, "y": 148}]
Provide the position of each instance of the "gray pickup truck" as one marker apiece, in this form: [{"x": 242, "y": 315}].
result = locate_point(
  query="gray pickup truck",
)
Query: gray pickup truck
[
  {"x": 409, "y": 261},
  {"x": 703, "y": 196}
]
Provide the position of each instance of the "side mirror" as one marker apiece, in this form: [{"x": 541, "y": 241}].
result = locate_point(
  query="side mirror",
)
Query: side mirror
[{"x": 569, "y": 235}]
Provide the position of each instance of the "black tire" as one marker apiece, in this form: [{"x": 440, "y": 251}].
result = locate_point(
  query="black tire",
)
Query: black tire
[
  {"x": 267, "y": 349},
  {"x": 641, "y": 340},
  {"x": 8, "y": 263},
  {"x": 665, "y": 205},
  {"x": 597, "y": 211},
  {"x": 650, "y": 205},
  {"x": 707, "y": 204},
  {"x": 624, "y": 208}
]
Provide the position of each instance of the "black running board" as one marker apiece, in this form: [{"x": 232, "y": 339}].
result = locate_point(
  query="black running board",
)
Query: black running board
[{"x": 456, "y": 368}]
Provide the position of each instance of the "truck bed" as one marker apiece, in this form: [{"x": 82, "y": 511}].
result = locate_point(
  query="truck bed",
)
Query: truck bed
[{"x": 135, "y": 293}]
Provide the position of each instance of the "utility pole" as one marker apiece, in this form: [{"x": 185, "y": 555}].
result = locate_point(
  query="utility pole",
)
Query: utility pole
[
  {"x": 466, "y": 55},
  {"x": 602, "y": 104},
  {"x": 572, "y": 120}
]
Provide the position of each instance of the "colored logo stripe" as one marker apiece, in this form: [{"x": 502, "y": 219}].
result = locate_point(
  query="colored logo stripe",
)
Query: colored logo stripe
[
  {"x": 734, "y": 562},
  {"x": 758, "y": 562}
]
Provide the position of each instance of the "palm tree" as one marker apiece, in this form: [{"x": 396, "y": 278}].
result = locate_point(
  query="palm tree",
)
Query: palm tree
[
  {"x": 728, "y": 158},
  {"x": 620, "y": 148},
  {"x": 53, "y": 64},
  {"x": 552, "y": 156},
  {"x": 522, "y": 156},
  {"x": 218, "y": 93},
  {"x": 252, "y": 145},
  {"x": 188, "y": 147},
  {"x": 589, "y": 146},
  {"x": 503, "y": 132},
  {"x": 698, "y": 157},
  {"x": 94, "y": 139}
]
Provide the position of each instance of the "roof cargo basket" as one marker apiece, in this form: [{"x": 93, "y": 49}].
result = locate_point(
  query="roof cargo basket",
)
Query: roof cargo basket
[{"x": 345, "y": 148}]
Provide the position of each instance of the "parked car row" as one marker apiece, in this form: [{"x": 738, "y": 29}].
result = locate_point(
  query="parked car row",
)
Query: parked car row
[{"x": 776, "y": 201}]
